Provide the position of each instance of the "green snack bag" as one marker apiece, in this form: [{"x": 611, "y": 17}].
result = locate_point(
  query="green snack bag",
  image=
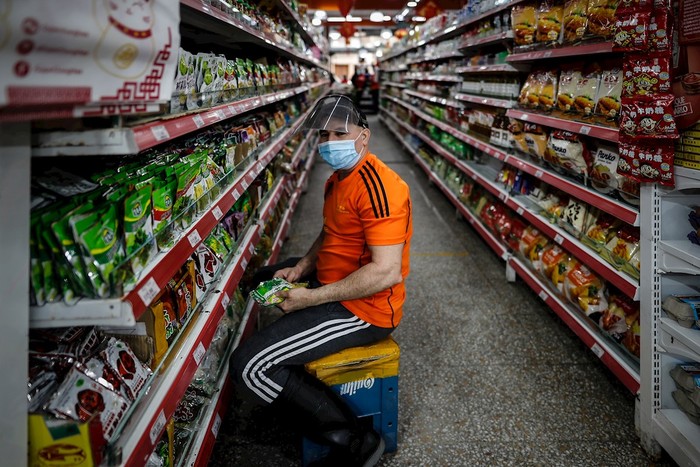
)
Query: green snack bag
[
  {"x": 102, "y": 241},
  {"x": 81, "y": 224},
  {"x": 138, "y": 229},
  {"x": 265, "y": 292},
  {"x": 36, "y": 272},
  {"x": 56, "y": 267},
  {"x": 162, "y": 197},
  {"x": 183, "y": 210},
  {"x": 71, "y": 252}
]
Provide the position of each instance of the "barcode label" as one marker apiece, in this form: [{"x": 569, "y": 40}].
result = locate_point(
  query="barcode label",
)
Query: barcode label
[
  {"x": 160, "y": 133},
  {"x": 198, "y": 121},
  {"x": 194, "y": 238},
  {"x": 217, "y": 212},
  {"x": 221, "y": 115},
  {"x": 539, "y": 174},
  {"x": 216, "y": 425},
  {"x": 543, "y": 295},
  {"x": 524, "y": 117},
  {"x": 585, "y": 130},
  {"x": 235, "y": 194},
  {"x": 559, "y": 239},
  {"x": 198, "y": 353},
  {"x": 148, "y": 291},
  {"x": 157, "y": 427},
  {"x": 233, "y": 110},
  {"x": 520, "y": 211},
  {"x": 251, "y": 249},
  {"x": 225, "y": 301},
  {"x": 245, "y": 184},
  {"x": 598, "y": 350},
  {"x": 244, "y": 263}
]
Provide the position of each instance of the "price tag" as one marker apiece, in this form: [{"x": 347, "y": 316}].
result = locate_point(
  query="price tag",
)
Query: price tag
[
  {"x": 585, "y": 130},
  {"x": 217, "y": 212},
  {"x": 471, "y": 220},
  {"x": 547, "y": 54},
  {"x": 194, "y": 238},
  {"x": 160, "y": 133},
  {"x": 221, "y": 115},
  {"x": 245, "y": 183},
  {"x": 520, "y": 211},
  {"x": 198, "y": 121},
  {"x": 244, "y": 263},
  {"x": 502, "y": 196},
  {"x": 216, "y": 425},
  {"x": 233, "y": 110},
  {"x": 148, "y": 291},
  {"x": 198, "y": 353},
  {"x": 559, "y": 239},
  {"x": 157, "y": 427},
  {"x": 538, "y": 174},
  {"x": 543, "y": 295},
  {"x": 524, "y": 117},
  {"x": 225, "y": 301},
  {"x": 598, "y": 350},
  {"x": 251, "y": 249},
  {"x": 236, "y": 194}
]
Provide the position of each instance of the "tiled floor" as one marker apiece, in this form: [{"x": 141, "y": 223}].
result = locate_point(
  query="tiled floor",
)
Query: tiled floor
[{"x": 489, "y": 375}]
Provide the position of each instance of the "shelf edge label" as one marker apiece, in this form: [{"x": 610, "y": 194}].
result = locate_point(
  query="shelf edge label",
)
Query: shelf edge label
[
  {"x": 198, "y": 353},
  {"x": 148, "y": 291},
  {"x": 216, "y": 425},
  {"x": 543, "y": 295},
  {"x": 157, "y": 427},
  {"x": 160, "y": 133},
  {"x": 194, "y": 238},
  {"x": 597, "y": 350},
  {"x": 217, "y": 212}
]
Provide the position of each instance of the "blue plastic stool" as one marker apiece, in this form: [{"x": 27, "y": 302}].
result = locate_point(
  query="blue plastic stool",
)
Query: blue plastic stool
[{"x": 372, "y": 392}]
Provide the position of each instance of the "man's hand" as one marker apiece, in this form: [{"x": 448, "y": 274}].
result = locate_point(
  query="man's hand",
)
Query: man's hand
[
  {"x": 292, "y": 274},
  {"x": 296, "y": 299}
]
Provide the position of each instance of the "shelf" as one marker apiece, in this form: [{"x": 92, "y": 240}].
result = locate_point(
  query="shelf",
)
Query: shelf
[
  {"x": 205, "y": 18},
  {"x": 501, "y": 68},
  {"x": 478, "y": 42},
  {"x": 622, "y": 211},
  {"x": 156, "y": 276},
  {"x": 490, "y": 101},
  {"x": 300, "y": 27},
  {"x": 394, "y": 69},
  {"x": 621, "y": 364},
  {"x": 679, "y": 256},
  {"x": 572, "y": 51},
  {"x": 686, "y": 178},
  {"x": 396, "y": 85},
  {"x": 678, "y": 436},
  {"x": 131, "y": 140},
  {"x": 594, "y": 131},
  {"x": 677, "y": 340},
  {"x": 436, "y": 57},
  {"x": 147, "y": 423},
  {"x": 587, "y": 256},
  {"x": 431, "y": 77},
  {"x": 433, "y": 98}
]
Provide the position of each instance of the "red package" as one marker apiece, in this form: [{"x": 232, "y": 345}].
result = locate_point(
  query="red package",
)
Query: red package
[
  {"x": 650, "y": 162},
  {"x": 648, "y": 117},
  {"x": 517, "y": 227},
  {"x": 660, "y": 30},
  {"x": 122, "y": 360},
  {"x": 631, "y": 30},
  {"x": 626, "y": 161},
  {"x": 644, "y": 75},
  {"x": 634, "y": 4}
]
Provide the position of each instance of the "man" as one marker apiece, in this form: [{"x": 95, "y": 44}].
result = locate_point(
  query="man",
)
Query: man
[{"x": 356, "y": 268}]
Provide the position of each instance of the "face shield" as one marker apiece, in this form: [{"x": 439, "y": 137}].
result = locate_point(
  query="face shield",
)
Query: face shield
[{"x": 334, "y": 113}]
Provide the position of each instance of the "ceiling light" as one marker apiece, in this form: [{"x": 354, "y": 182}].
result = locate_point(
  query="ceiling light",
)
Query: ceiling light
[
  {"x": 353, "y": 19},
  {"x": 320, "y": 14},
  {"x": 334, "y": 35},
  {"x": 411, "y": 32},
  {"x": 387, "y": 18},
  {"x": 404, "y": 12},
  {"x": 378, "y": 53},
  {"x": 376, "y": 17},
  {"x": 386, "y": 34},
  {"x": 316, "y": 21},
  {"x": 377, "y": 43},
  {"x": 419, "y": 18},
  {"x": 412, "y": 4},
  {"x": 336, "y": 19}
]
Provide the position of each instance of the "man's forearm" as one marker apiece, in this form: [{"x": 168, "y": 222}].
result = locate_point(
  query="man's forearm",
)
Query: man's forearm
[
  {"x": 366, "y": 281},
  {"x": 308, "y": 263}
]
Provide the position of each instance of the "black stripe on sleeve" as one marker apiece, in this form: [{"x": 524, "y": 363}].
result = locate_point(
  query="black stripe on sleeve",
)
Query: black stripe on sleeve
[
  {"x": 381, "y": 185},
  {"x": 369, "y": 190}
]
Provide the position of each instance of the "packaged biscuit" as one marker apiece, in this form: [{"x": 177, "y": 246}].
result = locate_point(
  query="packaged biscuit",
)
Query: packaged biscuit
[
  {"x": 646, "y": 74},
  {"x": 586, "y": 92},
  {"x": 575, "y": 20},
  {"x": 549, "y": 18},
  {"x": 585, "y": 289},
  {"x": 601, "y": 17},
  {"x": 548, "y": 90},
  {"x": 648, "y": 117},
  {"x": 566, "y": 151},
  {"x": 524, "y": 24},
  {"x": 608, "y": 97},
  {"x": 568, "y": 83},
  {"x": 631, "y": 30}
]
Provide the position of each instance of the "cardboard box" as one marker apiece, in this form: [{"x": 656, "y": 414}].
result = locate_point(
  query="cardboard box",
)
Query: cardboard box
[{"x": 54, "y": 442}]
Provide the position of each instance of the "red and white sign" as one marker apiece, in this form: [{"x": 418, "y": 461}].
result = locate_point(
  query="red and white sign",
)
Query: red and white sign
[{"x": 87, "y": 57}]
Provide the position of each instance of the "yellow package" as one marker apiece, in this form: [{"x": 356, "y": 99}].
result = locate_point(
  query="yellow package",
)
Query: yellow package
[
  {"x": 575, "y": 20},
  {"x": 524, "y": 22},
  {"x": 54, "y": 442},
  {"x": 601, "y": 17},
  {"x": 549, "y": 17},
  {"x": 548, "y": 90}
]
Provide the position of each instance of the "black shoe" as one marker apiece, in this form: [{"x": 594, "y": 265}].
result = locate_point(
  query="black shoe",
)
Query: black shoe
[{"x": 365, "y": 452}]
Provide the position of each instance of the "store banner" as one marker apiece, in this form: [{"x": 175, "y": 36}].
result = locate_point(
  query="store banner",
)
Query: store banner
[{"x": 88, "y": 55}]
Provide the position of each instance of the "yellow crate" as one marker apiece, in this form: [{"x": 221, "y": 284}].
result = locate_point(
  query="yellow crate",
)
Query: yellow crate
[
  {"x": 688, "y": 164},
  {"x": 381, "y": 360},
  {"x": 54, "y": 443}
]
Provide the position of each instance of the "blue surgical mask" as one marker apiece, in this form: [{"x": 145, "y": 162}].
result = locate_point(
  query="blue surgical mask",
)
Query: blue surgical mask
[{"x": 339, "y": 154}]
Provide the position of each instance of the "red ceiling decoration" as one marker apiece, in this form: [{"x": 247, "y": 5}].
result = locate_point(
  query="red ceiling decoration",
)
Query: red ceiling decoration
[{"x": 344, "y": 6}]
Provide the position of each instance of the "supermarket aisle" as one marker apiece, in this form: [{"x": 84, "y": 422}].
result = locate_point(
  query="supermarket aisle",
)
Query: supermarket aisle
[{"x": 489, "y": 375}]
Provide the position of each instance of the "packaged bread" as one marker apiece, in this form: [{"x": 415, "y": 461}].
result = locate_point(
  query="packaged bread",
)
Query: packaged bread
[
  {"x": 555, "y": 262},
  {"x": 548, "y": 90},
  {"x": 568, "y": 82},
  {"x": 530, "y": 238},
  {"x": 600, "y": 231},
  {"x": 549, "y": 18},
  {"x": 601, "y": 17},
  {"x": 604, "y": 177},
  {"x": 530, "y": 92},
  {"x": 609, "y": 94},
  {"x": 587, "y": 290},
  {"x": 524, "y": 24},
  {"x": 586, "y": 92},
  {"x": 574, "y": 218},
  {"x": 621, "y": 314},
  {"x": 575, "y": 20},
  {"x": 536, "y": 139},
  {"x": 566, "y": 151}
]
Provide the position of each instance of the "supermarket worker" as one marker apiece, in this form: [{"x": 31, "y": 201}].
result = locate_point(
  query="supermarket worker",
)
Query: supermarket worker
[{"x": 356, "y": 267}]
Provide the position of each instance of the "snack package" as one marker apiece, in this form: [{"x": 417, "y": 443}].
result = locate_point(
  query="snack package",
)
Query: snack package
[
  {"x": 575, "y": 20},
  {"x": 648, "y": 117},
  {"x": 531, "y": 243},
  {"x": 660, "y": 30},
  {"x": 548, "y": 91},
  {"x": 601, "y": 17},
  {"x": 80, "y": 396},
  {"x": 609, "y": 94},
  {"x": 646, "y": 74},
  {"x": 265, "y": 292},
  {"x": 553, "y": 205},
  {"x": 568, "y": 83},
  {"x": 586, "y": 92},
  {"x": 549, "y": 18},
  {"x": 138, "y": 229},
  {"x": 126, "y": 365},
  {"x": 585, "y": 289},
  {"x": 632, "y": 340},
  {"x": 647, "y": 162},
  {"x": 524, "y": 24},
  {"x": 554, "y": 265},
  {"x": 565, "y": 150},
  {"x": 600, "y": 231},
  {"x": 604, "y": 177},
  {"x": 517, "y": 228},
  {"x": 631, "y": 30},
  {"x": 574, "y": 217},
  {"x": 620, "y": 316},
  {"x": 536, "y": 140},
  {"x": 622, "y": 250}
]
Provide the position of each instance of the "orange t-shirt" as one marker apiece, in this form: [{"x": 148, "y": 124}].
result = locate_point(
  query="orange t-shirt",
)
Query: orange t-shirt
[{"x": 370, "y": 206}]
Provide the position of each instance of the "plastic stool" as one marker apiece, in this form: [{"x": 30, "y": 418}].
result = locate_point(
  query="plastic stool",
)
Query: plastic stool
[{"x": 367, "y": 378}]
